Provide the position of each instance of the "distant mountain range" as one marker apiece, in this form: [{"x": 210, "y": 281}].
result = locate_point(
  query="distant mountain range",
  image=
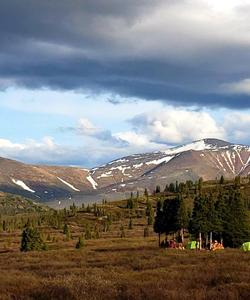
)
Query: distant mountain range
[{"x": 207, "y": 158}]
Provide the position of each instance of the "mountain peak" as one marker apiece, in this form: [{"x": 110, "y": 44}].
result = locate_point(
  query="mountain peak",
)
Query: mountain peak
[{"x": 200, "y": 145}]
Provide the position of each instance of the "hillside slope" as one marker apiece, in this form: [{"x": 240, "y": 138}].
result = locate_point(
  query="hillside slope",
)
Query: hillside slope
[{"x": 13, "y": 204}]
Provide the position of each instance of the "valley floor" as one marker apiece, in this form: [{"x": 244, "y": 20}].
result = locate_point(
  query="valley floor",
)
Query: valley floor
[{"x": 124, "y": 268}]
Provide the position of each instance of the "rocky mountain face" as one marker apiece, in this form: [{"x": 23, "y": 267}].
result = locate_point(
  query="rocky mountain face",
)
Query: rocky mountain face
[{"x": 208, "y": 158}]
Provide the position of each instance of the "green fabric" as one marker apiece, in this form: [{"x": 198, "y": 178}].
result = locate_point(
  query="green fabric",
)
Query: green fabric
[
  {"x": 192, "y": 245},
  {"x": 246, "y": 246}
]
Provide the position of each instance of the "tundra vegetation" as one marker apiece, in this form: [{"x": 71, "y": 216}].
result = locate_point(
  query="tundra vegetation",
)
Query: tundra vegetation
[{"x": 110, "y": 250}]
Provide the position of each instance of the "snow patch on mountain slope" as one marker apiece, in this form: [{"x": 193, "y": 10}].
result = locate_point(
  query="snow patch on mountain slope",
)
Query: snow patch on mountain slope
[
  {"x": 22, "y": 185},
  {"x": 104, "y": 175},
  {"x": 93, "y": 183},
  {"x": 68, "y": 184},
  {"x": 117, "y": 161},
  {"x": 159, "y": 161},
  {"x": 122, "y": 169},
  {"x": 196, "y": 146},
  {"x": 136, "y": 166}
]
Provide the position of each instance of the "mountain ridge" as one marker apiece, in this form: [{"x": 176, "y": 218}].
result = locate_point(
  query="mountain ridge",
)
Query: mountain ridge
[{"x": 208, "y": 158}]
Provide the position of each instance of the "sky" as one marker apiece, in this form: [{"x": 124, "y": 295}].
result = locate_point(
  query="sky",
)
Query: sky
[{"x": 84, "y": 82}]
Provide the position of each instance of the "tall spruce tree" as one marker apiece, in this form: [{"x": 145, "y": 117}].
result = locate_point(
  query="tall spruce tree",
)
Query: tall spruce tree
[
  {"x": 159, "y": 221},
  {"x": 198, "y": 223},
  {"x": 222, "y": 180},
  {"x": 236, "y": 228},
  {"x": 157, "y": 189},
  {"x": 171, "y": 187},
  {"x": 170, "y": 208},
  {"x": 182, "y": 217},
  {"x": 151, "y": 217}
]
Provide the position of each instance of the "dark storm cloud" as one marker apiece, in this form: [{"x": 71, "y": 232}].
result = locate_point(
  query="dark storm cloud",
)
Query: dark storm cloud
[{"x": 145, "y": 49}]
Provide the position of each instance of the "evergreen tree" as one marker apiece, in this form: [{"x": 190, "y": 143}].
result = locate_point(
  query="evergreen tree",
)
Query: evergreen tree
[
  {"x": 189, "y": 184},
  {"x": 66, "y": 229},
  {"x": 148, "y": 208},
  {"x": 73, "y": 208},
  {"x": 151, "y": 216},
  {"x": 200, "y": 184},
  {"x": 182, "y": 187},
  {"x": 182, "y": 218},
  {"x": 213, "y": 219},
  {"x": 176, "y": 187},
  {"x": 198, "y": 224},
  {"x": 4, "y": 225},
  {"x": 222, "y": 180},
  {"x": 130, "y": 201},
  {"x": 159, "y": 221},
  {"x": 130, "y": 224},
  {"x": 236, "y": 227},
  {"x": 31, "y": 240},
  {"x": 170, "y": 208},
  {"x": 172, "y": 187},
  {"x": 80, "y": 243},
  {"x": 157, "y": 189},
  {"x": 88, "y": 209},
  {"x": 166, "y": 188}
]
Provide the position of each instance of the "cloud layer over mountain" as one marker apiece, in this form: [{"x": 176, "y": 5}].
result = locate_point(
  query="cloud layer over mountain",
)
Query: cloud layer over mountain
[{"x": 184, "y": 51}]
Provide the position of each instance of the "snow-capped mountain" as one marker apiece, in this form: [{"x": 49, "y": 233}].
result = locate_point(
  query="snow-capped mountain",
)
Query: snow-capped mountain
[{"x": 207, "y": 158}]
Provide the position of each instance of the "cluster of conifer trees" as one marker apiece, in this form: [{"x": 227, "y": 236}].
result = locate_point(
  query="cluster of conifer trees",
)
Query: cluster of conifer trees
[{"x": 220, "y": 212}]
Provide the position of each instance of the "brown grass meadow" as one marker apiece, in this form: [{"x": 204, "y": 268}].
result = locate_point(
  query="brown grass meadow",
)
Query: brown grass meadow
[
  {"x": 124, "y": 268},
  {"x": 111, "y": 267}
]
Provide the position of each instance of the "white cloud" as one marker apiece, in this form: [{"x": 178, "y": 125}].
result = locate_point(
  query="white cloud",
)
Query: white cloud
[
  {"x": 237, "y": 127},
  {"x": 173, "y": 126},
  {"x": 133, "y": 138},
  {"x": 33, "y": 151},
  {"x": 139, "y": 142},
  {"x": 87, "y": 128},
  {"x": 8, "y": 145}
]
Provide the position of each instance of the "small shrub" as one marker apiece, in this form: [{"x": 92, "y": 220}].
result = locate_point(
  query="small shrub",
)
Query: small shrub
[
  {"x": 80, "y": 243},
  {"x": 130, "y": 224}
]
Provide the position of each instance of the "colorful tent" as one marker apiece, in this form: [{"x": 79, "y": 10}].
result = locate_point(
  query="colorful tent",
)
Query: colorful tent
[
  {"x": 192, "y": 245},
  {"x": 246, "y": 246}
]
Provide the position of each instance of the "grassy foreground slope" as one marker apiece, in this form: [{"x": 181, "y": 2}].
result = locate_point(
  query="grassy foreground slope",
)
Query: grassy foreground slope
[
  {"x": 129, "y": 268},
  {"x": 117, "y": 261}
]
